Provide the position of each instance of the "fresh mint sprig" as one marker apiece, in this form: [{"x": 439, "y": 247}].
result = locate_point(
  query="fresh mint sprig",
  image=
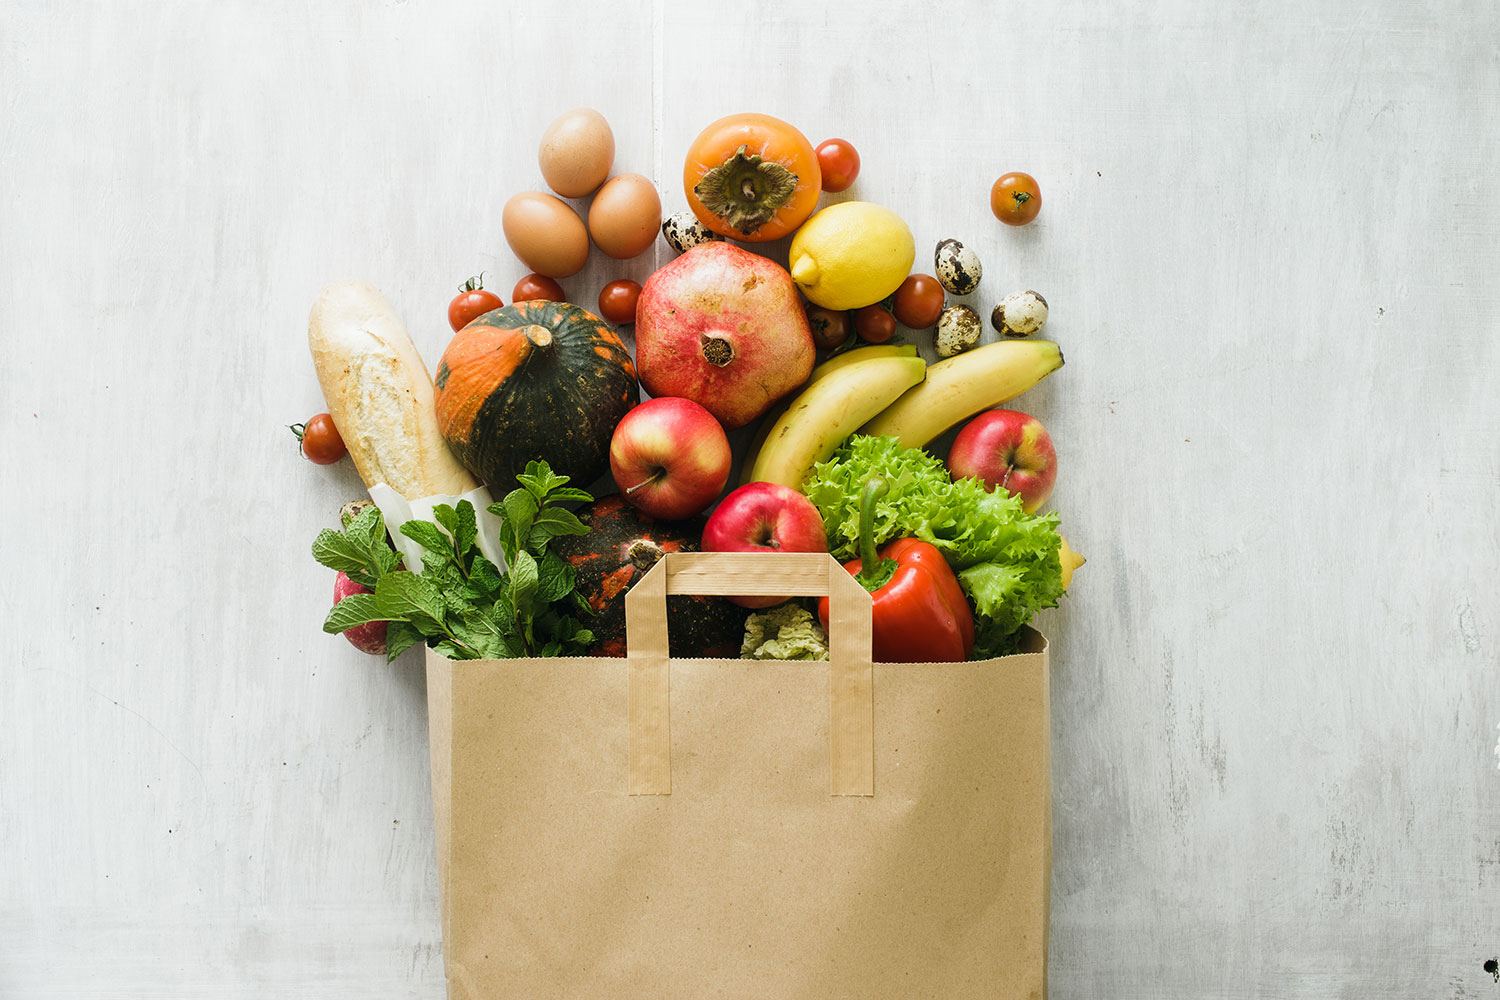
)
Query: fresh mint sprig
[{"x": 461, "y": 604}]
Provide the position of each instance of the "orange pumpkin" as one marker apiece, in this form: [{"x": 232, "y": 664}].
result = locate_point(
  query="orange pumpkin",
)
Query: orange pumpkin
[{"x": 752, "y": 178}]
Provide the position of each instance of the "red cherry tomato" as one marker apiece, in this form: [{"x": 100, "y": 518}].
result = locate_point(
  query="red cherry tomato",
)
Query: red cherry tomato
[
  {"x": 537, "y": 286},
  {"x": 874, "y": 324},
  {"x": 1015, "y": 199},
  {"x": 617, "y": 301},
  {"x": 471, "y": 302},
  {"x": 320, "y": 440},
  {"x": 919, "y": 301},
  {"x": 839, "y": 161},
  {"x": 830, "y": 327}
]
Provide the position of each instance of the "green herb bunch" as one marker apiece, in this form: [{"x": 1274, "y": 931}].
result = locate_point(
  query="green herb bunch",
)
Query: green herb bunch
[{"x": 461, "y": 604}]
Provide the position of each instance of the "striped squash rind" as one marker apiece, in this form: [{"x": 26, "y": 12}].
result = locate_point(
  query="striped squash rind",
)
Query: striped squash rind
[{"x": 534, "y": 380}]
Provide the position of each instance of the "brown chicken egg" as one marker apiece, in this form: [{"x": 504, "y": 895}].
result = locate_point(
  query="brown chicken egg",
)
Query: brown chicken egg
[
  {"x": 577, "y": 151},
  {"x": 625, "y": 216},
  {"x": 545, "y": 233}
]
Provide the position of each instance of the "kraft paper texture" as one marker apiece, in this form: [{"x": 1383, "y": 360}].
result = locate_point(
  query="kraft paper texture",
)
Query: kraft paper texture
[{"x": 758, "y": 871}]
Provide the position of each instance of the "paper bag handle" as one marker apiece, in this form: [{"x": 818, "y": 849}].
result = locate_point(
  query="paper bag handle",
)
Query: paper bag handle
[{"x": 795, "y": 574}]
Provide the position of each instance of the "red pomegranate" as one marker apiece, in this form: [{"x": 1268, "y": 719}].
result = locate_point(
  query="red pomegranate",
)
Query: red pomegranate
[{"x": 723, "y": 327}]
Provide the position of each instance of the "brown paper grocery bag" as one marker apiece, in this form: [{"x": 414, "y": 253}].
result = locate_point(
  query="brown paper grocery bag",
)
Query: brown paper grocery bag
[{"x": 630, "y": 828}]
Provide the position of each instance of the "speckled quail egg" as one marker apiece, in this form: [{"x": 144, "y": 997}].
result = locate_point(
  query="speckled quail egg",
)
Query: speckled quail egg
[
  {"x": 957, "y": 267},
  {"x": 957, "y": 331},
  {"x": 1020, "y": 314},
  {"x": 683, "y": 231}
]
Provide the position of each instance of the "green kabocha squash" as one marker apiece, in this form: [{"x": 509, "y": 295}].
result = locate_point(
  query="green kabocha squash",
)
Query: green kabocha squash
[
  {"x": 622, "y": 544},
  {"x": 534, "y": 380}
]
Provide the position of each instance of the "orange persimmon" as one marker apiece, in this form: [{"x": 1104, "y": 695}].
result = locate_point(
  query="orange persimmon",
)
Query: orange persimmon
[{"x": 752, "y": 177}]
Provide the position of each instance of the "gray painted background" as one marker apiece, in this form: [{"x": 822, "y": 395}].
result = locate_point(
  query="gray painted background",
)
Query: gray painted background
[{"x": 1270, "y": 244}]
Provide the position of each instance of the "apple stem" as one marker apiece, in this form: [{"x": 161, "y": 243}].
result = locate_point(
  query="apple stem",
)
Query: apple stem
[{"x": 653, "y": 478}]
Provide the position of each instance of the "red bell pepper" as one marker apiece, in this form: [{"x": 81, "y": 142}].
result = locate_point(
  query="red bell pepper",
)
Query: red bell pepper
[{"x": 920, "y": 611}]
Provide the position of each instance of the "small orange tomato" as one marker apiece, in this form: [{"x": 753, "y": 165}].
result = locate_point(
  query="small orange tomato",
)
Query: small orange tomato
[
  {"x": 1015, "y": 199},
  {"x": 839, "y": 162},
  {"x": 537, "y": 286},
  {"x": 472, "y": 300},
  {"x": 617, "y": 301},
  {"x": 919, "y": 301},
  {"x": 752, "y": 177},
  {"x": 320, "y": 440},
  {"x": 830, "y": 327},
  {"x": 874, "y": 324}
]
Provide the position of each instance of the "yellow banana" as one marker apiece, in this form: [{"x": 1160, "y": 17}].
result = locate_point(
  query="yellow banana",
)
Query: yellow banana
[
  {"x": 828, "y": 411},
  {"x": 1070, "y": 561},
  {"x": 963, "y": 385},
  {"x": 828, "y": 367}
]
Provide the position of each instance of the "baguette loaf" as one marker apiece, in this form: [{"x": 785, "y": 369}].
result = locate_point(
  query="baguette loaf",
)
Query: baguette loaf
[{"x": 379, "y": 393}]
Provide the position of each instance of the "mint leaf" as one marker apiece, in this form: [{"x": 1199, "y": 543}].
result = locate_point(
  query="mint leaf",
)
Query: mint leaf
[
  {"x": 524, "y": 583},
  {"x": 337, "y": 552},
  {"x": 519, "y": 510},
  {"x": 555, "y": 578},
  {"x": 565, "y": 494},
  {"x": 466, "y": 530},
  {"x": 413, "y": 598},
  {"x": 387, "y": 560},
  {"x": 445, "y": 516},
  {"x": 539, "y": 479},
  {"x": 554, "y": 521},
  {"x": 356, "y": 609},
  {"x": 399, "y": 637},
  {"x": 454, "y": 651},
  {"x": 367, "y": 529},
  {"x": 485, "y": 577},
  {"x": 430, "y": 537}
]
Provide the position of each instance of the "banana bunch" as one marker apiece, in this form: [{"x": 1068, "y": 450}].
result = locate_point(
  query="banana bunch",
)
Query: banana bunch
[{"x": 841, "y": 394}]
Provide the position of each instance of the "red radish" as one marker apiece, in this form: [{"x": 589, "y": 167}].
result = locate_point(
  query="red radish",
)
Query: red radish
[
  {"x": 369, "y": 638},
  {"x": 725, "y": 328}
]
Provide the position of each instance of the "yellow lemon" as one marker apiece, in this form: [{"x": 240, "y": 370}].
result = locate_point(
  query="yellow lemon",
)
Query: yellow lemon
[{"x": 852, "y": 254}]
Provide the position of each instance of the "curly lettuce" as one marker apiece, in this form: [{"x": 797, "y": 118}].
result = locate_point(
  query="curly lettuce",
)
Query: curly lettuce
[
  {"x": 1006, "y": 560},
  {"x": 786, "y": 632}
]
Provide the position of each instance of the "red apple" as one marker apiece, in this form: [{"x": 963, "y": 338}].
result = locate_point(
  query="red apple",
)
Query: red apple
[
  {"x": 369, "y": 637},
  {"x": 764, "y": 517},
  {"x": 1009, "y": 450},
  {"x": 670, "y": 458}
]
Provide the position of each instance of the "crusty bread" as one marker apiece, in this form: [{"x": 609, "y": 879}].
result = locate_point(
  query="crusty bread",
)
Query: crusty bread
[{"x": 379, "y": 393}]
